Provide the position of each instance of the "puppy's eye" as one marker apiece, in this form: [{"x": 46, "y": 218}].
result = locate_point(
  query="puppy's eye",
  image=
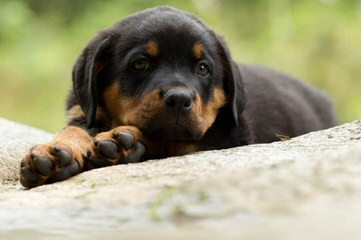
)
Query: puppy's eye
[
  {"x": 140, "y": 65},
  {"x": 203, "y": 69}
]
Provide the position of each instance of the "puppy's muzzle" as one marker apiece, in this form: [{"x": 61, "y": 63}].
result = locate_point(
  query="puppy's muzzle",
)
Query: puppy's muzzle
[{"x": 178, "y": 100}]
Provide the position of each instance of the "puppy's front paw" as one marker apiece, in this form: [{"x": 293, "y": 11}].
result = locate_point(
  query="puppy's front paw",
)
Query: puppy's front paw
[
  {"x": 47, "y": 163},
  {"x": 120, "y": 145}
]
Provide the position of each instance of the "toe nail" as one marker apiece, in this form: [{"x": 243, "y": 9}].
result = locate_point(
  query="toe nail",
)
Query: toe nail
[{"x": 56, "y": 149}]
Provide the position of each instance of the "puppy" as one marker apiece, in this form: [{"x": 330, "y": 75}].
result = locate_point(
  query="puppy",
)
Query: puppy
[{"x": 161, "y": 83}]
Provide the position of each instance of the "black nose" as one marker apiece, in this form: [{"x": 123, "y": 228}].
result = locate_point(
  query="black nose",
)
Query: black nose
[{"x": 178, "y": 99}]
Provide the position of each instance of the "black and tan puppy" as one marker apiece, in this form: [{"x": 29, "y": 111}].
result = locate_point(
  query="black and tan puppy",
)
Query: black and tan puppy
[{"x": 161, "y": 83}]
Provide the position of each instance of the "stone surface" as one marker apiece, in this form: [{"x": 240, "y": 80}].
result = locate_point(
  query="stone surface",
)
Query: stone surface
[
  {"x": 308, "y": 187},
  {"x": 15, "y": 140}
]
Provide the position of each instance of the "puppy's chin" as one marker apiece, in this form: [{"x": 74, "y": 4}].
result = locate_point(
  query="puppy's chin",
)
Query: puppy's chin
[{"x": 173, "y": 132}]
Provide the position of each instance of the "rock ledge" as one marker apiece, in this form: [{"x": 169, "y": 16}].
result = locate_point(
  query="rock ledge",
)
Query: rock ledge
[{"x": 308, "y": 187}]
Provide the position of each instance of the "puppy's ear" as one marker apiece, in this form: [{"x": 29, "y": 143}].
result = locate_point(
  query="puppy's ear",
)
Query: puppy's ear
[
  {"x": 233, "y": 82},
  {"x": 86, "y": 73}
]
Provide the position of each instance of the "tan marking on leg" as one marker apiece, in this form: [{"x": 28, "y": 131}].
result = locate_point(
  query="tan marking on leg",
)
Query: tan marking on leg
[
  {"x": 75, "y": 140},
  {"x": 129, "y": 129}
]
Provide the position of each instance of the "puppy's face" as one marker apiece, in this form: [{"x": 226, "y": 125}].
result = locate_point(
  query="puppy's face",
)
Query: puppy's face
[{"x": 162, "y": 71}]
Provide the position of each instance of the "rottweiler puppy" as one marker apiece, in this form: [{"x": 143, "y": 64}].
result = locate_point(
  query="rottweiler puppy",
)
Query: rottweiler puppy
[{"x": 161, "y": 83}]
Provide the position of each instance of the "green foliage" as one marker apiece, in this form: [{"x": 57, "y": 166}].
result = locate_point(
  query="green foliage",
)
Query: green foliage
[{"x": 315, "y": 40}]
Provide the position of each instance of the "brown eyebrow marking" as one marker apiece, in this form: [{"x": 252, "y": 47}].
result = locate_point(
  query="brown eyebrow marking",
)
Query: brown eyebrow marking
[
  {"x": 198, "y": 50},
  {"x": 152, "y": 48}
]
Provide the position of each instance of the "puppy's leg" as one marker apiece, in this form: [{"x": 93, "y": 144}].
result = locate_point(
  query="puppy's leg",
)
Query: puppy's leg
[
  {"x": 124, "y": 144},
  {"x": 57, "y": 160}
]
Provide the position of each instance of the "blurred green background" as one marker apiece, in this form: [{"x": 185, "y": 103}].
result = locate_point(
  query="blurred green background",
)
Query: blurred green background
[{"x": 318, "y": 41}]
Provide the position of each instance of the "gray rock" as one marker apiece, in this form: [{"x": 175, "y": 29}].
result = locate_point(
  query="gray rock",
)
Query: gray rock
[
  {"x": 308, "y": 187},
  {"x": 15, "y": 140}
]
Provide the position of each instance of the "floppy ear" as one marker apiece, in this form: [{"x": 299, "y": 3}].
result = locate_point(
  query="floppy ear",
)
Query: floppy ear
[
  {"x": 233, "y": 82},
  {"x": 86, "y": 72}
]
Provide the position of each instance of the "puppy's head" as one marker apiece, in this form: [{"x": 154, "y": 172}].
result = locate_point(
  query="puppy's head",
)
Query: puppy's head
[{"x": 161, "y": 70}]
